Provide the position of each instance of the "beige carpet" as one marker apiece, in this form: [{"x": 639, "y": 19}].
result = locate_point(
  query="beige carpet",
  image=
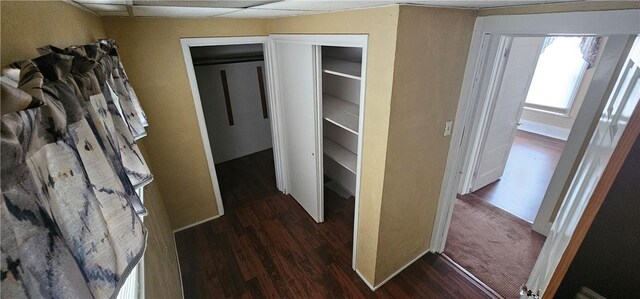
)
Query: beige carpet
[{"x": 493, "y": 245}]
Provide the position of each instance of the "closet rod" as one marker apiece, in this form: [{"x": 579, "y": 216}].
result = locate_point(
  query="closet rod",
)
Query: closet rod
[{"x": 230, "y": 61}]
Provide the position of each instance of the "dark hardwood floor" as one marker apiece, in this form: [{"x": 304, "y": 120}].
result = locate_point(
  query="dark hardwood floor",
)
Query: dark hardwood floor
[
  {"x": 531, "y": 163},
  {"x": 266, "y": 246}
]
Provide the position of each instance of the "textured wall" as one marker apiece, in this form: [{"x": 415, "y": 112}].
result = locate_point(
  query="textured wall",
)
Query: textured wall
[
  {"x": 162, "y": 275},
  {"x": 151, "y": 52},
  {"x": 28, "y": 25},
  {"x": 431, "y": 55}
]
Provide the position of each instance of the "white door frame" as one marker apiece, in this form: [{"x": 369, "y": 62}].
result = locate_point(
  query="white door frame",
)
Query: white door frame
[
  {"x": 188, "y": 43},
  {"x": 358, "y": 41},
  {"x": 484, "y": 115},
  {"x": 481, "y": 64},
  {"x": 613, "y": 121}
]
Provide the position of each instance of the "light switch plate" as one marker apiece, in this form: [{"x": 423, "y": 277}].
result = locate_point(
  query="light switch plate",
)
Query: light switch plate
[{"x": 447, "y": 127}]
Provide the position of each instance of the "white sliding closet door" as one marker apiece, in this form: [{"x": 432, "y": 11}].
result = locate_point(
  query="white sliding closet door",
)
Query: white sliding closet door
[{"x": 296, "y": 75}]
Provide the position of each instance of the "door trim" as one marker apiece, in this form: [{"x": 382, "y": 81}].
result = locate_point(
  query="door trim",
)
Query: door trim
[
  {"x": 476, "y": 148},
  {"x": 344, "y": 40},
  {"x": 624, "y": 146},
  {"x": 317, "y": 92},
  {"x": 481, "y": 129},
  {"x": 473, "y": 93},
  {"x": 186, "y": 44},
  {"x": 596, "y": 151}
]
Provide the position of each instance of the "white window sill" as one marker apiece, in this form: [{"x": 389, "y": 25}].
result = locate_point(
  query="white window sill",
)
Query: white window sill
[{"x": 554, "y": 113}]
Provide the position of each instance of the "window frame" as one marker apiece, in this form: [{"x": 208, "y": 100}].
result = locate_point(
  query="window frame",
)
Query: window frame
[{"x": 565, "y": 112}]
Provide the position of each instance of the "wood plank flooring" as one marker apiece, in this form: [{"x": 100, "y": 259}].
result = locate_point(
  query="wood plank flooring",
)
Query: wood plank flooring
[
  {"x": 266, "y": 246},
  {"x": 531, "y": 163}
]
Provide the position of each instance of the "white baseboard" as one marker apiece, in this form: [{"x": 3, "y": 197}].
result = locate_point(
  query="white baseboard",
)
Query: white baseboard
[
  {"x": 402, "y": 268},
  {"x": 365, "y": 280},
  {"x": 197, "y": 223},
  {"x": 175, "y": 248},
  {"x": 544, "y": 129},
  {"x": 373, "y": 288},
  {"x": 542, "y": 229}
]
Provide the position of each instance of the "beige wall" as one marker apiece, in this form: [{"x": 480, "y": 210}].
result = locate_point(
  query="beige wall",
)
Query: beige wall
[
  {"x": 151, "y": 52},
  {"x": 29, "y": 25},
  {"x": 431, "y": 55},
  {"x": 380, "y": 24},
  {"x": 560, "y": 7},
  {"x": 162, "y": 275},
  {"x": 174, "y": 137}
]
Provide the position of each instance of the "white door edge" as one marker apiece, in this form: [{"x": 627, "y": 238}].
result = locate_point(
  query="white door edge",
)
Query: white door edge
[
  {"x": 483, "y": 122},
  {"x": 317, "y": 77}
]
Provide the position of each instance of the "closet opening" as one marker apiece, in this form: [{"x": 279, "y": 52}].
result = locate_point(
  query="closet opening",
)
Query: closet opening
[
  {"x": 341, "y": 94},
  {"x": 233, "y": 96},
  {"x": 275, "y": 193}
]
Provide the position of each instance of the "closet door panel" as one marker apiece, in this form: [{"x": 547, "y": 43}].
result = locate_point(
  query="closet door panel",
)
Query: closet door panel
[{"x": 297, "y": 84}]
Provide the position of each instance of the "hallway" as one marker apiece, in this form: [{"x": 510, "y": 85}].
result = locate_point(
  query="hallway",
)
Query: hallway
[
  {"x": 266, "y": 245},
  {"x": 490, "y": 234}
]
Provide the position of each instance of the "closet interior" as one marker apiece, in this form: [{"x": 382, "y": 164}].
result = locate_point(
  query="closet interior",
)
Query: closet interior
[
  {"x": 341, "y": 88},
  {"x": 232, "y": 87},
  {"x": 232, "y": 92}
]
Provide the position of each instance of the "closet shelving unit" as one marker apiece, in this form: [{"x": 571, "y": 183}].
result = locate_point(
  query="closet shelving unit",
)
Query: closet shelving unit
[{"x": 341, "y": 76}]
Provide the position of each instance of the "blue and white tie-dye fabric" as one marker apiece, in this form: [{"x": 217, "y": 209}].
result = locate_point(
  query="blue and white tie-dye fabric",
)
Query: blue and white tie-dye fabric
[
  {"x": 76, "y": 193},
  {"x": 117, "y": 81},
  {"x": 36, "y": 261},
  {"x": 108, "y": 104}
]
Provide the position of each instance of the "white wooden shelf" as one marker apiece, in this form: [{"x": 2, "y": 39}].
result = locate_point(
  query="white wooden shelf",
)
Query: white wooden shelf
[
  {"x": 342, "y": 113},
  {"x": 342, "y": 68},
  {"x": 340, "y": 154}
]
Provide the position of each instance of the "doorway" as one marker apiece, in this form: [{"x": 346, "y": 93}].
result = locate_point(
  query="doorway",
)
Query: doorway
[
  {"x": 537, "y": 97},
  {"x": 489, "y": 49},
  {"x": 231, "y": 87},
  {"x": 233, "y": 95},
  {"x": 491, "y": 232},
  {"x": 312, "y": 87}
]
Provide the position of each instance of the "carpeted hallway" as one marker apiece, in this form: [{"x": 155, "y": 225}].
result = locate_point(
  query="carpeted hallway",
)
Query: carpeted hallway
[
  {"x": 493, "y": 245},
  {"x": 490, "y": 234}
]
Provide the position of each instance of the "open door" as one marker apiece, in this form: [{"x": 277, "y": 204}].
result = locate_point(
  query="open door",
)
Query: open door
[
  {"x": 623, "y": 98},
  {"x": 296, "y": 72},
  {"x": 520, "y": 59}
]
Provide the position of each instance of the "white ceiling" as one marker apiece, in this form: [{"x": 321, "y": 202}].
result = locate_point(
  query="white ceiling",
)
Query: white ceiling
[{"x": 266, "y": 8}]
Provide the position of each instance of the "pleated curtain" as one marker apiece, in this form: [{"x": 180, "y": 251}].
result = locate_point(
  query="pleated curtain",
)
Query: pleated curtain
[{"x": 70, "y": 166}]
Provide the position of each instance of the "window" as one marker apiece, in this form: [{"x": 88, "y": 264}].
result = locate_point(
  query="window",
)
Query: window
[{"x": 557, "y": 76}]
